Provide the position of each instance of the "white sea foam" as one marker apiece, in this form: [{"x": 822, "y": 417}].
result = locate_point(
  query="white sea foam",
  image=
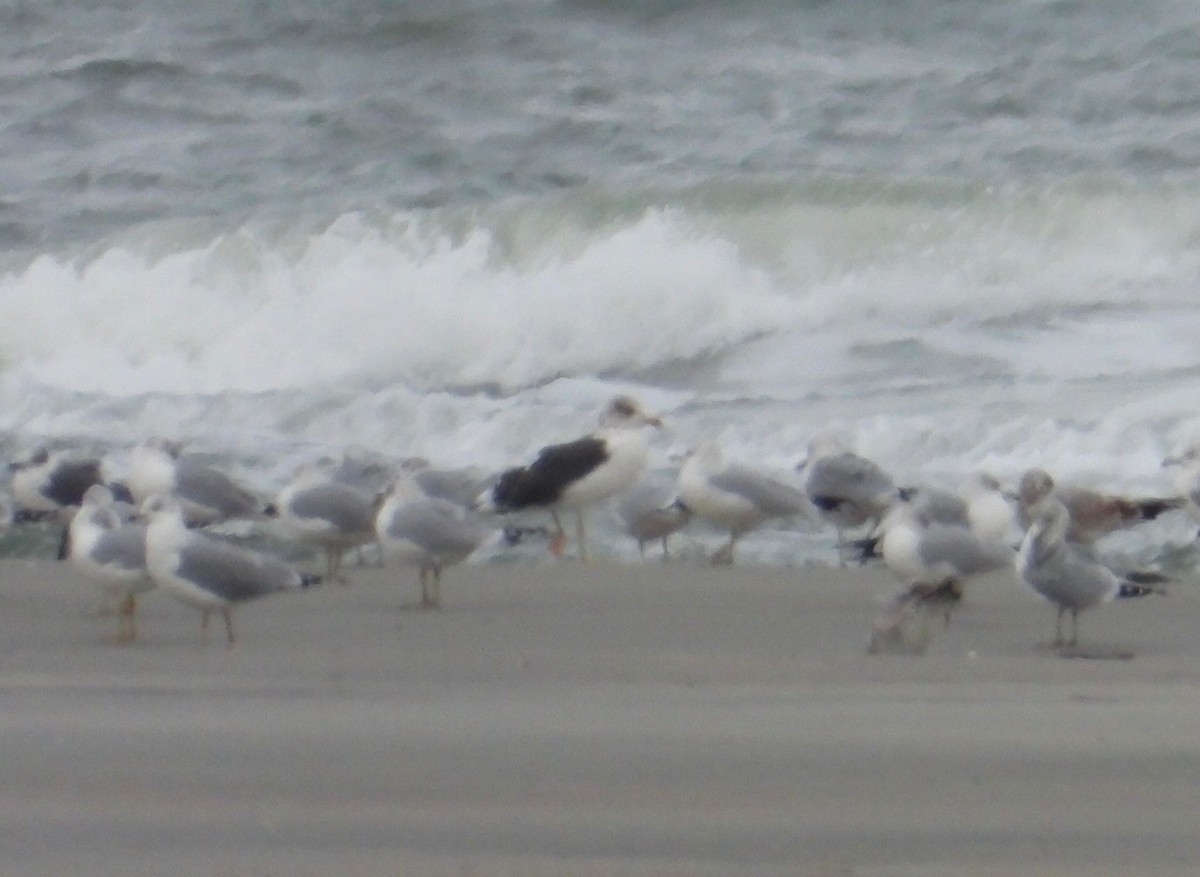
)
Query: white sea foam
[{"x": 1000, "y": 333}]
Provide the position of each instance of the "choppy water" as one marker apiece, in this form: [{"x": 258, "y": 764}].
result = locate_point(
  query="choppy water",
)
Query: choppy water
[{"x": 966, "y": 234}]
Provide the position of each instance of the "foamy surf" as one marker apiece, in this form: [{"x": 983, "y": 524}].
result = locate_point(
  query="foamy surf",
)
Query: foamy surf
[{"x": 941, "y": 331}]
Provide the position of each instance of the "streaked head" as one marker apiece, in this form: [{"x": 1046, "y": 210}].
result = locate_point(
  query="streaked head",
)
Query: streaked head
[
  {"x": 1035, "y": 484},
  {"x": 627, "y": 411}
]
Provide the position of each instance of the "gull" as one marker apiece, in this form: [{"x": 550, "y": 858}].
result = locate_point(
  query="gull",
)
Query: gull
[
  {"x": 733, "y": 496},
  {"x": 923, "y": 553},
  {"x": 848, "y": 490},
  {"x": 461, "y": 486},
  {"x": 649, "y": 511},
  {"x": 1062, "y": 573},
  {"x": 990, "y": 513},
  {"x": 331, "y": 515},
  {"x": 112, "y": 552},
  {"x": 205, "y": 494},
  {"x": 430, "y": 534},
  {"x": 578, "y": 474},
  {"x": 363, "y": 470},
  {"x": 207, "y": 573},
  {"x": 47, "y": 482},
  {"x": 982, "y": 507},
  {"x": 1091, "y": 514},
  {"x": 51, "y": 485}
]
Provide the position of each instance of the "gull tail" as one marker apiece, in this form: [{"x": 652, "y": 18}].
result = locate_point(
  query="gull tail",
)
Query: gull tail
[
  {"x": 309, "y": 580},
  {"x": 1149, "y": 509}
]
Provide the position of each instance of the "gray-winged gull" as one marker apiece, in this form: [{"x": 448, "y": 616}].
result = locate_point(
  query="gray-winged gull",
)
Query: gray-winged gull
[
  {"x": 430, "y": 534},
  {"x": 848, "y": 491},
  {"x": 206, "y": 495},
  {"x": 50, "y": 486},
  {"x": 934, "y": 561},
  {"x": 329, "y": 514},
  {"x": 650, "y": 512},
  {"x": 461, "y": 486},
  {"x": 733, "y": 496},
  {"x": 1063, "y": 573},
  {"x": 49, "y": 481},
  {"x": 207, "y": 573},
  {"x": 575, "y": 475},
  {"x": 112, "y": 552}
]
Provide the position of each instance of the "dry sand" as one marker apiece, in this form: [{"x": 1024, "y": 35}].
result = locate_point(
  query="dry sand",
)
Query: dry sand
[{"x": 563, "y": 719}]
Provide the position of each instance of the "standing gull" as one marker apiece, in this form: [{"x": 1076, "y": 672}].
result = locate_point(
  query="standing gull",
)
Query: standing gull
[
  {"x": 1062, "y": 573},
  {"x": 112, "y": 552},
  {"x": 461, "y": 486},
  {"x": 934, "y": 561},
  {"x": 430, "y": 534},
  {"x": 848, "y": 490},
  {"x": 331, "y": 515},
  {"x": 51, "y": 486},
  {"x": 733, "y": 496},
  {"x": 990, "y": 513},
  {"x": 206, "y": 573},
  {"x": 578, "y": 474},
  {"x": 650, "y": 512},
  {"x": 48, "y": 482},
  {"x": 205, "y": 494}
]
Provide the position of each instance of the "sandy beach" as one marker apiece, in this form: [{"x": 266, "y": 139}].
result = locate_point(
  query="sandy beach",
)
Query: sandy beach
[{"x": 562, "y": 719}]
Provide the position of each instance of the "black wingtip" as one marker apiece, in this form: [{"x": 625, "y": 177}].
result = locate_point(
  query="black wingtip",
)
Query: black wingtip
[
  {"x": 866, "y": 550},
  {"x": 310, "y": 580},
  {"x": 1129, "y": 590}
]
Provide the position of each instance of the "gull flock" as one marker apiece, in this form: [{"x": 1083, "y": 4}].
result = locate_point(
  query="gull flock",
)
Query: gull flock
[{"x": 154, "y": 527}]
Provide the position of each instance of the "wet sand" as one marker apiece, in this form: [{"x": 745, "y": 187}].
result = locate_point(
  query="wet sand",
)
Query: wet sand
[{"x": 563, "y": 719}]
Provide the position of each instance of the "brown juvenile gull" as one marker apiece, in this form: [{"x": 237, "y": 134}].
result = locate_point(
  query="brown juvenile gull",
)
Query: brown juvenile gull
[{"x": 1092, "y": 514}]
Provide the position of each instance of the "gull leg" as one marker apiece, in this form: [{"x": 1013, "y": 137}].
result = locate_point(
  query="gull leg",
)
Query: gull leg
[
  {"x": 723, "y": 556},
  {"x": 227, "y": 614},
  {"x": 841, "y": 547},
  {"x": 434, "y": 599},
  {"x": 1074, "y": 627},
  {"x": 666, "y": 551},
  {"x": 127, "y": 628},
  {"x": 335, "y": 566},
  {"x": 559, "y": 540},
  {"x": 1058, "y": 632},
  {"x": 204, "y": 623},
  {"x": 580, "y": 537}
]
